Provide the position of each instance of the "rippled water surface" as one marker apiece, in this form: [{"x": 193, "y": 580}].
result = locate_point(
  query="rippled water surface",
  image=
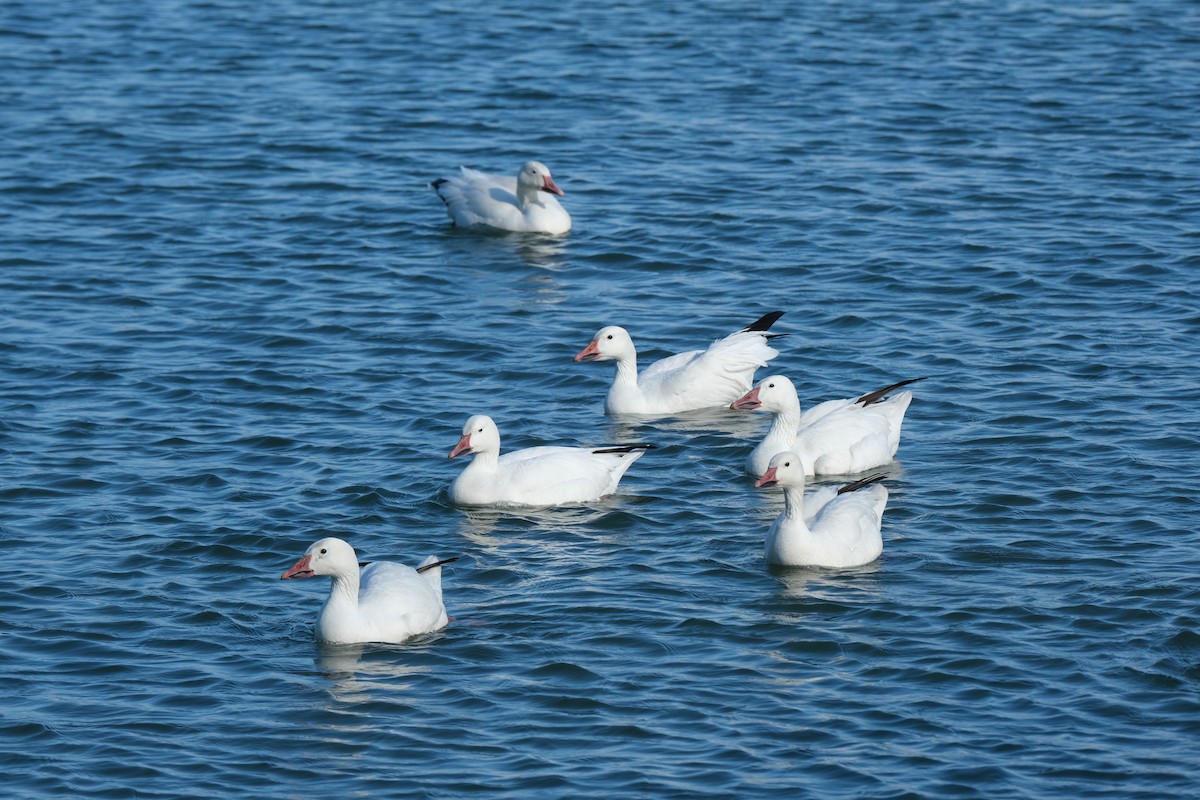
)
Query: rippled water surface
[{"x": 235, "y": 319}]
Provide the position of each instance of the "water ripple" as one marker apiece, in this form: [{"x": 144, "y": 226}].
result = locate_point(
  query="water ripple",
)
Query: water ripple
[{"x": 235, "y": 320}]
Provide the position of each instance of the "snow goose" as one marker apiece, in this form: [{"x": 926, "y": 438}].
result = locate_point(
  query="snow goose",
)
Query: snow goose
[
  {"x": 686, "y": 381},
  {"x": 524, "y": 204},
  {"x": 830, "y": 527},
  {"x": 376, "y": 602},
  {"x": 836, "y": 437},
  {"x": 536, "y": 476}
]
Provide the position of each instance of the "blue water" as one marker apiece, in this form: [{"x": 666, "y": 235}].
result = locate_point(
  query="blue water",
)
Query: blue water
[{"x": 234, "y": 319}]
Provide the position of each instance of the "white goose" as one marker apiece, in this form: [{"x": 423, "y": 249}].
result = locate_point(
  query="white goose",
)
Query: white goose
[
  {"x": 376, "y": 602},
  {"x": 836, "y": 437},
  {"x": 536, "y": 476},
  {"x": 523, "y": 204},
  {"x": 687, "y": 381},
  {"x": 830, "y": 527}
]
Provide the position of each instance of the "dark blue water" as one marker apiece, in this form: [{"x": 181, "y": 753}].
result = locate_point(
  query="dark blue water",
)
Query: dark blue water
[{"x": 234, "y": 319}]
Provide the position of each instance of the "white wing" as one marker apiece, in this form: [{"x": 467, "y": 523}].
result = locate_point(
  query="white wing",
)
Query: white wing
[
  {"x": 707, "y": 378},
  {"x": 539, "y": 476}
]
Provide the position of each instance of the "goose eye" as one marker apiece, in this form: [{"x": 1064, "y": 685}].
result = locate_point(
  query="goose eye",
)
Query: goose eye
[
  {"x": 609, "y": 336},
  {"x": 787, "y": 463},
  {"x": 770, "y": 386},
  {"x": 323, "y": 551}
]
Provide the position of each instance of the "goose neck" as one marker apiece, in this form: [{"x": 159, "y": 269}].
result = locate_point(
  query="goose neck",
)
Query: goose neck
[
  {"x": 627, "y": 370},
  {"x": 793, "y": 502},
  {"x": 344, "y": 591},
  {"x": 484, "y": 460},
  {"x": 784, "y": 425},
  {"x": 527, "y": 195}
]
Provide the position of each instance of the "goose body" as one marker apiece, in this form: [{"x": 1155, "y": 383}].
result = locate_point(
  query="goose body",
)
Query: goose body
[
  {"x": 523, "y": 204},
  {"x": 837, "y": 437},
  {"x": 535, "y": 476},
  {"x": 697, "y": 379},
  {"x": 379, "y": 602},
  {"x": 830, "y": 527}
]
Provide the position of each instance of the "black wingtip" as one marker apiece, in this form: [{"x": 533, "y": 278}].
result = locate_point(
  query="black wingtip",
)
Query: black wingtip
[
  {"x": 879, "y": 394},
  {"x": 854, "y": 487},
  {"x": 437, "y": 187},
  {"x": 624, "y": 448},
  {"x": 437, "y": 564},
  {"x": 764, "y": 322}
]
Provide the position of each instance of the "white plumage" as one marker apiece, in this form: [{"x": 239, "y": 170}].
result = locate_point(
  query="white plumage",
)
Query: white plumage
[
  {"x": 830, "y": 527},
  {"x": 523, "y": 204},
  {"x": 837, "y": 437},
  {"x": 381, "y": 602},
  {"x": 536, "y": 476},
  {"x": 688, "y": 381}
]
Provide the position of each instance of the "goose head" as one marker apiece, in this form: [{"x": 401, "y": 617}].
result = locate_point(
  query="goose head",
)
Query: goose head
[
  {"x": 329, "y": 556},
  {"x": 785, "y": 470},
  {"x": 536, "y": 175},
  {"x": 773, "y": 393},
  {"x": 480, "y": 435},
  {"x": 612, "y": 342}
]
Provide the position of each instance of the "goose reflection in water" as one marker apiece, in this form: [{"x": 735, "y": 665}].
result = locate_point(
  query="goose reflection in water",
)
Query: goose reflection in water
[
  {"x": 483, "y": 526},
  {"x": 534, "y": 250},
  {"x": 820, "y": 584},
  {"x": 360, "y": 673}
]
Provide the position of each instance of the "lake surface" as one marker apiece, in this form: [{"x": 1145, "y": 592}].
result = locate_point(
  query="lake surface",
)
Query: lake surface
[{"x": 234, "y": 319}]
